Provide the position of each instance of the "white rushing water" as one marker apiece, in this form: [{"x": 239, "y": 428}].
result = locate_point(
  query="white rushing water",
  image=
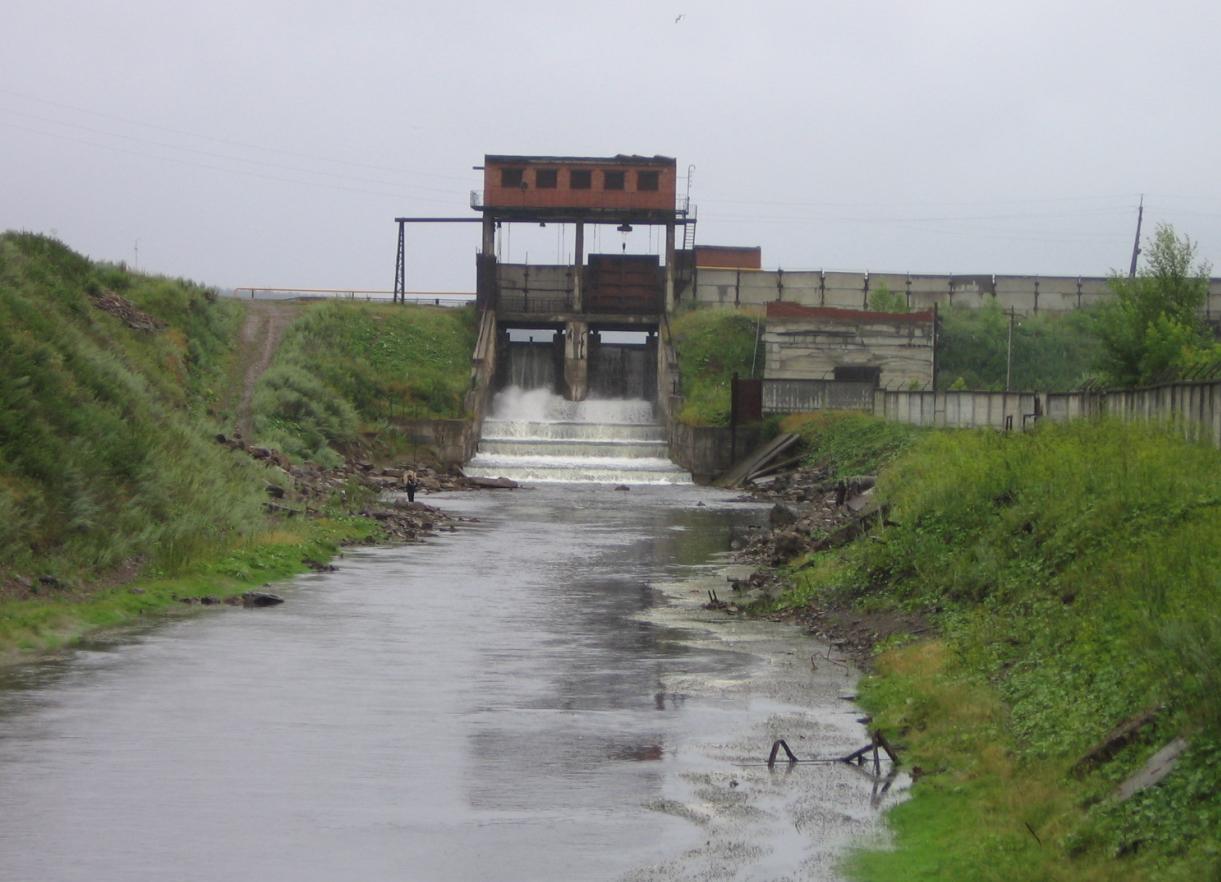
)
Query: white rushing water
[{"x": 535, "y": 435}]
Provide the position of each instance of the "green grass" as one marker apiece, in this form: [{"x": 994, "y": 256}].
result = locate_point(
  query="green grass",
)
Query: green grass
[
  {"x": 847, "y": 443},
  {"x": 1051, "y": 352},
  {"x": 1073, "y": 574},
  {"x": 713, "y": 345},
  {"x": 105, "y": 448},
  {"x": 48, "y": 622},
  {"x": 347, "y": 370}
]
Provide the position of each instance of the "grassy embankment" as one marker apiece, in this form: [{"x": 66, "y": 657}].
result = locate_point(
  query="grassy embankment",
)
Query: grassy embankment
[
  {"x": 114, "y": 497},
  {"x": 346, "y": 373},
  {"x": 1073, "y": 578},
  {"x": 713, "y": 345}
]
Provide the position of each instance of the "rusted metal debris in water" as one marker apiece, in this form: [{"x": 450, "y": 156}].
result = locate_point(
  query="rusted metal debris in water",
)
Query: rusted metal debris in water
[{"x": 877, "y": 742}]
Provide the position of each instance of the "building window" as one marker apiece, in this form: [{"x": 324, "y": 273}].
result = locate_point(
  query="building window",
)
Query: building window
[
  {"x": 512, "y": 177},
  {"x": 580, "y": 179},
  {"x": 647, "y": 180},
  {"x": 614, "y": 180},
  {"x": 545, "y": 178}
]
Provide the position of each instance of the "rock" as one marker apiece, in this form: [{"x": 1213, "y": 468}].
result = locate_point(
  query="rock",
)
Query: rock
[
  {"x": 622, "y": 487},
  {"x": 253, "y": 599},
  {"x": 51, "y": 582},
  {"x": 782, "y": 515},
  {"x": 493, "y": 483},
  {"x": 275, "y": 491},
  {"x": 318, "y": 566},
  {"x": 790, "y": 544},
  {"x": 209, "y": 600}
]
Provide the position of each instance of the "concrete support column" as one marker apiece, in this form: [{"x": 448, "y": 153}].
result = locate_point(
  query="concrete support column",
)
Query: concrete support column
[
  {"x": 578, "y": 269},
  {"x": 576, "y": 361},
  {"x": 489, "y": 236},
  {"x": 669, "y": 266}
]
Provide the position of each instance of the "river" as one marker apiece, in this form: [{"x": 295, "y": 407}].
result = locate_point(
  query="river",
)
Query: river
[{"x": 538, "y": 696}]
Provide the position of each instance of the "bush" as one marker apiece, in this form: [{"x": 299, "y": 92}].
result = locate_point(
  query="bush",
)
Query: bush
[
  {"x": 713, "y": 345},
  {"x": 1050, "y": 352},
  {"x": 344, "y": 369},
  {"x": 105, "y": 450}
]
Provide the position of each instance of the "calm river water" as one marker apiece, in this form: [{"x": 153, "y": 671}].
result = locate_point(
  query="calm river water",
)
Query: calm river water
[{"x": 536, "y": 697}]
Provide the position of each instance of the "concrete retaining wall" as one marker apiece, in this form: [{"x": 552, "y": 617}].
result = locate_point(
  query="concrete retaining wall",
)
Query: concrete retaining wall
[
  {"x": 850, "y": 290},
  {"x": 452, "y": 441},
  {"x": 961, "y": 410},
  {"x": 707, "y": 451}
]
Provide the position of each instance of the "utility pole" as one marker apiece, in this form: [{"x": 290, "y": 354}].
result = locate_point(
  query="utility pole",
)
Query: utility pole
[
  {"x": 1140, "y": 213},
  {"x": 136, "y": 261}
]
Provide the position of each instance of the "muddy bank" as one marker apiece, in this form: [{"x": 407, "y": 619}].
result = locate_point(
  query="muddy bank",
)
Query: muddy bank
[{"x": 811, "y": 512}]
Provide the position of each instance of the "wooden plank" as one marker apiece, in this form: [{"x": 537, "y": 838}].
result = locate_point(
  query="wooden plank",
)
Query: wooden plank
[{"x": 758, "y": 458}]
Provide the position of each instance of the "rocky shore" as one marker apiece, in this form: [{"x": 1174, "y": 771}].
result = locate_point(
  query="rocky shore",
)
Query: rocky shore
[{"x": 812, "y": 512}]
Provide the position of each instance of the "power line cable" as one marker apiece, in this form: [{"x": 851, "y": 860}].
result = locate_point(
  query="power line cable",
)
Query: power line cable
[
  {"x": 229, "y": 141},
  {"x": 225, "y": 156},
  {"x": 231, "y": 171}
]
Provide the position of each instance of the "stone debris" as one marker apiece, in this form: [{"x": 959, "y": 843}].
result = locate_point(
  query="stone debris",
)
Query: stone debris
[{"x": 124, "y": 309}]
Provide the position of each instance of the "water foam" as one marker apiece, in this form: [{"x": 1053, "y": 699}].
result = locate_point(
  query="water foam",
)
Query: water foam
[{"x": 535, "y": 435}]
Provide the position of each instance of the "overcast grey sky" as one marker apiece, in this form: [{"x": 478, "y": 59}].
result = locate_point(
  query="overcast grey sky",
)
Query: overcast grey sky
[{"x": 242, "y": 142}]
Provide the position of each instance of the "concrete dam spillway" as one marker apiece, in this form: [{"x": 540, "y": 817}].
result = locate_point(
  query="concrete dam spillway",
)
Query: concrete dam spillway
[{"x": 534, "y": 435}]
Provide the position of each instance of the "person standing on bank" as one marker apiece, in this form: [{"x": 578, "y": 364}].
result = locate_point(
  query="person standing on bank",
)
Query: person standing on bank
[{"x": 410, "y": 484}]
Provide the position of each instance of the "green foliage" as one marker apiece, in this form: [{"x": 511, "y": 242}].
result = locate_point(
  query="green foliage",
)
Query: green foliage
[
  {"x": 51, "y": 622},
  {"x": 1073, "y": 573},
  {"x": 105, "y": 451},
  {"x": 1153, "y": 326},
  {"x": 344, "y": 369},
  {"x": 1050, "y": 352},
  {"x": 713, "y": 345},
  {"x": 848, "y": 443},
  {"x": 882, "y": 299}
]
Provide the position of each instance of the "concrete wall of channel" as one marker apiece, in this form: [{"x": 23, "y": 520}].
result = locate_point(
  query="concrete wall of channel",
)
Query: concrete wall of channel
[
  {"x": 850, "y": 290},
  {"x": 1194, "y": 406}
]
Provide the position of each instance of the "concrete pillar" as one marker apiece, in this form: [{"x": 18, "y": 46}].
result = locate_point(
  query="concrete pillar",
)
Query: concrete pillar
[
  {"x": 578, "y": 268},
  {"x": 576, "y": 361},
  {"x": 669, "y": 266},
  {"x": 489, "y": 235}
]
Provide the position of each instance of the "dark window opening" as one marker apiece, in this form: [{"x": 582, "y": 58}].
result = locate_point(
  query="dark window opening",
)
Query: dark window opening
[
  {"x": 512, "y": 177},
  {"x": 859, "y": 374},
  {"x": 546, "y": 178},
  {"x": 647, "y": 180},
  {"x": 614, "y": 180},
  {"x": 580, "y": 179}
]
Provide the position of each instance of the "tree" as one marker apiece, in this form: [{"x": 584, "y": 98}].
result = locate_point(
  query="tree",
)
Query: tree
[
  {"x": 1153, "y": 325},
  {"x": 882, "y": 299}
]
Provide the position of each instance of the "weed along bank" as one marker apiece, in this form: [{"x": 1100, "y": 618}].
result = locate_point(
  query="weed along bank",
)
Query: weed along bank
[{"x": 716, "y": 570}]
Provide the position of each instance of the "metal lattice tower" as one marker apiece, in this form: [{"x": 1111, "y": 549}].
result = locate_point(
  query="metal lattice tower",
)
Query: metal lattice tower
[{"x": 400, "y": 268}]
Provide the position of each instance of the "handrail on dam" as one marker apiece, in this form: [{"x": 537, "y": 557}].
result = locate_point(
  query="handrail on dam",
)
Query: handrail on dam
[{"x": 451, "y": 299}]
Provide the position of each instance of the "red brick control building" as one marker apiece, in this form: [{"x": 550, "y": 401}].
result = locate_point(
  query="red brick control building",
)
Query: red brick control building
[{"x": 631, "y": 188}]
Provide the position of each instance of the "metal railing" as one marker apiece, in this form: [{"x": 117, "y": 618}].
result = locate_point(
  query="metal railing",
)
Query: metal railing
[{"x": 451, "y": 299}]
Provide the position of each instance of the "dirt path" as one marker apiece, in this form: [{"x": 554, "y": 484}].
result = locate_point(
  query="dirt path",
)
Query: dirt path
[{"x": 260, "y": 337}]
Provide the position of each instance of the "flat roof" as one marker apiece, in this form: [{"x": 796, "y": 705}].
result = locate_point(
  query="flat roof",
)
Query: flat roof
[{"x": 617, "y": 159}]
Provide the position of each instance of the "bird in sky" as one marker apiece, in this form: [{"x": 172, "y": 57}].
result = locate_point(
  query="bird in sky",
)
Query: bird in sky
[{"x": 679, "y": 17}]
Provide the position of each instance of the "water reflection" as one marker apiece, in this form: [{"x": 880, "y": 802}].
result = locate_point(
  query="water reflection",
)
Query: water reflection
[{"x": 511, "y": 702}]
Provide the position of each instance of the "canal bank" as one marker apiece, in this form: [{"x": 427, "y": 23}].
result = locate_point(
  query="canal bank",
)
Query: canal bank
[{"x": 483, "y": 705}]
